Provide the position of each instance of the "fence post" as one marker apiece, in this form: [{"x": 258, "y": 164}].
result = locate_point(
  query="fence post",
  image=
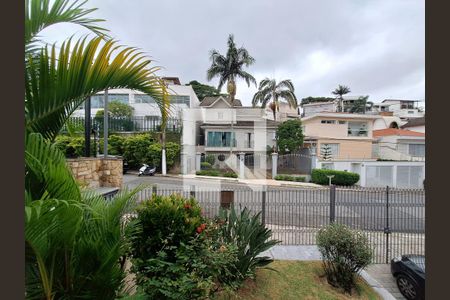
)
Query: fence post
[
  {"x": 198, "y": 161},
  {"x": 226, "y": 198},
  {"x": 154, "y": 190},
  {"x": 241, "y": 165},
  {"x": 332, "y": 203},
  {"x": 387, "y": 230},
  {"x": 263, "y": 207},
  {"x": 274, "y": 164},
  {"x": 192, "y": 191}
]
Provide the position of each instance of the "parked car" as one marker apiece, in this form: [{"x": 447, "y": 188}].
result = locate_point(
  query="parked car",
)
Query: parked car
[{"x": 409, "y": 271}]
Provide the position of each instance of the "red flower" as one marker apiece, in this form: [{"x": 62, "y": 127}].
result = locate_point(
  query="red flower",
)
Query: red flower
[
  {"x": 187, "y": 206},
  {"x": 199, "y": 229},
  {"x": 203, "y": 226}
]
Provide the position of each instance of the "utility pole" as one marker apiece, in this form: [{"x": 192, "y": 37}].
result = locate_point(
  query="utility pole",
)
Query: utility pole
[{"x": 87, "y": 127}]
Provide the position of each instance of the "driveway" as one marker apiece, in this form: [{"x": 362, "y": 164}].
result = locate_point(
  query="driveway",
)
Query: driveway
[{"x": 382, "y": 274}]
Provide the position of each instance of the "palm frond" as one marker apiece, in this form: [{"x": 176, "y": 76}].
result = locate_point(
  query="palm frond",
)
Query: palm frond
[
  {"x": 54, "y": 87},
  {"x": 286, "y": 84},
  {"x": 289, "y": 96},
  {"x": 40, "y": 14}
]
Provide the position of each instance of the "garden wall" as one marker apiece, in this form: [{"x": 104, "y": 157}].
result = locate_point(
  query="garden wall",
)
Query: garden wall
[{"x": 97, "y": 172}]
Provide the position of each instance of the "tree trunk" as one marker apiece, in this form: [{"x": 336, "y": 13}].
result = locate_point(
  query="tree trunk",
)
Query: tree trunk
[{"x": 231, "y": 89}]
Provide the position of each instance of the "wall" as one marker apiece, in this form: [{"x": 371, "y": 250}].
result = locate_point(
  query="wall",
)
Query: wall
[
  {"x": 97, "y": 172},
  {"x": 394, "y": 167},
  {"x": 349, "y": 149}
]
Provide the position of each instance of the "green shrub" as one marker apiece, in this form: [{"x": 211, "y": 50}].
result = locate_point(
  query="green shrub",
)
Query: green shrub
[
  {"x": 319, "y": 176},
  {"x": 116, "y": 145},
  {"x": 230, "y": 174},
  {"x": 155, "y": 152},
  {"x": 208, "y": 173},
  {"x": 205, "y": 165},
  {"x": 136, "y": 149},
  {"x": 72, "y": 147},
  {"x": 210, "y": 158},
  {"x": 176, "y": 253},
  {"x": 344, "y": 254},
  {"x": 251, "y": 238},
  {"x": 290, "y": 178}
]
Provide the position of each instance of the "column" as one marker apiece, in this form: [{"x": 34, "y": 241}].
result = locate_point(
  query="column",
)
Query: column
[
  {"x": 197, "y": 161},
  {"x": 241, "y": 165},
  {"x": 274, "y": 164}
]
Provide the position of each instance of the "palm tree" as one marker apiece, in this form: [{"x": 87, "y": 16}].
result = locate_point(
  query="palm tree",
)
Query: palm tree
[
  {"x": 73, "y": 239},
  {"x": 340, "y": 91},
  {"x": 270, "y": 90},
  {"x": 230, "y": 67}
]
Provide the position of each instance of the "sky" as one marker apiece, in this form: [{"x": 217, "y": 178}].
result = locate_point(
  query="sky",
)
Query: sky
[{"x": 375, "y": 47}]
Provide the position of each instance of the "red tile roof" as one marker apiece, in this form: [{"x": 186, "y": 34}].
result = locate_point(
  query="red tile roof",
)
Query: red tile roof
[{"x": 395, "y": 131}]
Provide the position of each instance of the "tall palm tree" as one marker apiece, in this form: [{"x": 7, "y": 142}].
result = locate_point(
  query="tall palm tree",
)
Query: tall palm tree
[
  {"x": 270, "y": 90},
  {"x": 339, "y": 92},
  {"x": 230, "y": 67}
]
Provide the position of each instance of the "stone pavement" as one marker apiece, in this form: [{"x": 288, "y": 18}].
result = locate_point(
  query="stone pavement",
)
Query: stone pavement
[{"x": 377, "y": 276}]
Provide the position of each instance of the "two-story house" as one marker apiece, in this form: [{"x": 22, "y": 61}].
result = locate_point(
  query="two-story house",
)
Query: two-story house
[
  {"x": 404, "y": 109},
  {"x": 399, "y": 145},
  {"x": 348, "y": 135}
]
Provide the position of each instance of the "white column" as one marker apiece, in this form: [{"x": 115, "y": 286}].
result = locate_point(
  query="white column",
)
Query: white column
[
  {"x": 241, "y": 165},
  {"x": 197, "y": 161},
  {"x": 163, "y": 162},
  {"x": 274, "y": 164}
]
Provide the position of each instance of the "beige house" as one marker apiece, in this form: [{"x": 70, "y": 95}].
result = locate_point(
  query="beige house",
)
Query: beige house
[{"x": 348, "y": 135}]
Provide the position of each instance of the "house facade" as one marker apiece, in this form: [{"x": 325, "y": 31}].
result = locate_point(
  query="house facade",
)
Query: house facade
[
  {"x": 399, "y": 145},
  {"x": 404, "y": 109},
  {"x": 416, "y": 124},
  {"x": 348, "y": 135}
]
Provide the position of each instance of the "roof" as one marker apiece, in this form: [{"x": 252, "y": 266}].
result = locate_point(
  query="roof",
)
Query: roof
[
  {"x": 400, "y": 100},
  {"x": 394, "y": 131},
  {"x": 415, "y": 122},
  {"x": 175, "y": 80},
  {"x": 318, "y": 103},
  {"x": 343, "y": 115},
  {"x": 208, "y": 101},
  {"x": 269, "y": 123}
]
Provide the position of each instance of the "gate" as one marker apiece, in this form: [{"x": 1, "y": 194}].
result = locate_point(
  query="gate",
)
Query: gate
[{"x": 295, "y": 163}]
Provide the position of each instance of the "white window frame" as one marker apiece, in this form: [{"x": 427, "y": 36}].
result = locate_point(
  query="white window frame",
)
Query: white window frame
[{"x": 416, "y": 144}]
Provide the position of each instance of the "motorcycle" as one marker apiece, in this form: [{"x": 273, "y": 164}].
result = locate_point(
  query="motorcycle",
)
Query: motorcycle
[{"x": 147, "y": 170}]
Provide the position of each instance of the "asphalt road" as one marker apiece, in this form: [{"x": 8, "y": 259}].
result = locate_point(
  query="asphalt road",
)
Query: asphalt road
[{"x": 296, "y": 208}]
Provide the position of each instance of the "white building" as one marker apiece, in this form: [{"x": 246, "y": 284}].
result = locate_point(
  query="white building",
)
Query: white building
[
  {"x": 399, "y": 145},
  {"x": 416, "y": 124},
  {"x": 181, "y": 97},
  {"x": 404, "y": 109}
]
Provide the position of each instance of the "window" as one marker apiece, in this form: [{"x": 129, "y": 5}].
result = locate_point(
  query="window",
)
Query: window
[
  {"x": 380, "y": 176},
  {"x": 177, "y": 99},
  {"x": 122, "y": 98},
  {"x": 342, "y": 122},
  {"x": 333, "y": 147},
  {"x": 416, "y": 149},
  {"x": 328, "y": 121},
  {"x": 410, "y": 111},
  {"x": 249, "y": 139},
  {"x": 410, "y": 176},
  {"x": 220, "y": 139},
  {"x": 143, "y": 99},
  {"x": 357, "y": 129}
]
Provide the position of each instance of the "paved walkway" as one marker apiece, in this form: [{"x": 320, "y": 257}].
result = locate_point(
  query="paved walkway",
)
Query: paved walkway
[{"x": 377, "y": 276}]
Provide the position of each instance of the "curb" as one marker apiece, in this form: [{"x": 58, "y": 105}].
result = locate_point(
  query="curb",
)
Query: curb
[{"x": 378, "y": 288}]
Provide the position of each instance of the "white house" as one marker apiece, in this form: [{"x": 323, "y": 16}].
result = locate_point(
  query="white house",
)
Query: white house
[
  {"x": 417, "y": 124},
  {"x": 399, "y": 145},
  {"x": 404, "y": 109}
]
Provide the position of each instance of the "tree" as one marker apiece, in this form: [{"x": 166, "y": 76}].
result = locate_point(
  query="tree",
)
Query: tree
[
  {"x": 359, "y": 106},
  {"x": 203, "y": 90},
  {"x": 230, "y": 67},
  {"x": 270, "y": 90},
  {"x": 340, "y": 91},
  {"x": 289, "y": 136},
  {"x": 325, "y": 152},
  {"x": 117, "y": 109},
  {"x": 310, "y": 99}
]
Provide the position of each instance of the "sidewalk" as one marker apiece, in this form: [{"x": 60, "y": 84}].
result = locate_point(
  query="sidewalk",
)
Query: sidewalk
[{"x": 384, "y": 288}]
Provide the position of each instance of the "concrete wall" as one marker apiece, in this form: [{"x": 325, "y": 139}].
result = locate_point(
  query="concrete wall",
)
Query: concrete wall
[{"x": 97, "y": 172}]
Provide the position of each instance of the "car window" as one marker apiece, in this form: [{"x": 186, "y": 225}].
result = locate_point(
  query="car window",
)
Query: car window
[{"x": 419, "y": 261}]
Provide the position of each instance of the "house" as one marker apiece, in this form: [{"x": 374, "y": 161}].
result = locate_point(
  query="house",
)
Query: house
[
  {"x": 416, "y": 124},
  {"x": 399, "y": 145},
  {"x": 284, "y": 113},
  {"x": 221, "y": 128},
  {"x": 404, "y": 109},
  {"x": 145, "y": 109},
  {"x": 318, "y": 107},
  {"x": 348, "y": 135}
]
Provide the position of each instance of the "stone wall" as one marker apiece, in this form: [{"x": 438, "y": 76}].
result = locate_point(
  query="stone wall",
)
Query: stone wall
[{"x": 97, "y": 172}]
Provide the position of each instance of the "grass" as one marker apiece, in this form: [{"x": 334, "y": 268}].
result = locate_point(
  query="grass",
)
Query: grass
[{"x": 296, "y": 280}]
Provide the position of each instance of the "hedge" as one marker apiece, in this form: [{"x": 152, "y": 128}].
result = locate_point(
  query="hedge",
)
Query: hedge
[
  {"x": 208, "y": 173},
  {"x": 319, "y": 176},
  {"x": 290, "y": 178}
]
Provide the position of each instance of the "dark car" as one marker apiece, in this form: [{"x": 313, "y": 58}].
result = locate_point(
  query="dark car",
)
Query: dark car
[{"x": 409, "y": 271}]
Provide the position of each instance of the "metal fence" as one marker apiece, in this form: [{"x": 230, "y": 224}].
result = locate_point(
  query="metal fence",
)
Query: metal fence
[
  {"x": 133, "y": 124},
  {"x": 392, "y": 219}
]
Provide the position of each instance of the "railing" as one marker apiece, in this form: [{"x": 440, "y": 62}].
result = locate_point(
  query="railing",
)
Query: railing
[
  {"x": 392, "y": 219},
  {"x": 133, "y": 124}
]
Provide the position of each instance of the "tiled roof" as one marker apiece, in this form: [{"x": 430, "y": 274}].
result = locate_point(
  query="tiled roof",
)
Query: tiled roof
[
  {"x": 269, "y": 123},
  {"x": 395, "y": 131}
]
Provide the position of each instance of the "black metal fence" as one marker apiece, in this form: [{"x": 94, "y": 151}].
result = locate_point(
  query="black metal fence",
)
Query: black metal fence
[
  {"x": 133, "y": 124},
  {"x": 392, "y": 219}
]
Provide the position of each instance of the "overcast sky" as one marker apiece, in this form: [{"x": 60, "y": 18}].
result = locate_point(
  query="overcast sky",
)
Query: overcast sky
[{"x": 377, "y": 48}]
